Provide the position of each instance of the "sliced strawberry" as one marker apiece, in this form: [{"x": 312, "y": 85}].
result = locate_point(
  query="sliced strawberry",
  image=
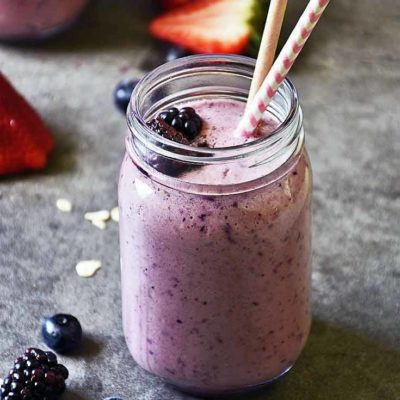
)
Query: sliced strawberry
[
  {"x": 25, "y": 142},
  {"x": 170, "y": 4},
  {"x": 206, "y": 26}
]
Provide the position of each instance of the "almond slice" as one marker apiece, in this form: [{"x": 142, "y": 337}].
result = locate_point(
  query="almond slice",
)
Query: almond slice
[
  {"x": 64, "y": 205},
  {"x": 115, "y": 214},
  {"x": 87, "y": 268},
  {"x": 98, "y": 223},
  {"x": 101, "y": 215}
]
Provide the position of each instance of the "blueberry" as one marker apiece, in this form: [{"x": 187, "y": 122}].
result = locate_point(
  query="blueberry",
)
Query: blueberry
[
  {"x": 62, "y": 332},
  {"x": 123, "y": 92},
  {"x": 174, "y": 53},
  {"x": 113, "y": 398},
  {"x": 177, "y": 123}
]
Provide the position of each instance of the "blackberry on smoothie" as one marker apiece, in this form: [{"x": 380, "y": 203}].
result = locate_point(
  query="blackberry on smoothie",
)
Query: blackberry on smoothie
[{"x": 214, "y": 229}]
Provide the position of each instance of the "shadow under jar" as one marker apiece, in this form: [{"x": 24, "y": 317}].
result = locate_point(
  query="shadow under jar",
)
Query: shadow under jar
[
  {"x": 215, "y": 271},
  {"x": 32, "y": 20}
]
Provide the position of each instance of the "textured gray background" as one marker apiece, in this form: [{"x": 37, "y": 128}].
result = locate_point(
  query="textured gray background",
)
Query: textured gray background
[{"x": 349, "y": 81}]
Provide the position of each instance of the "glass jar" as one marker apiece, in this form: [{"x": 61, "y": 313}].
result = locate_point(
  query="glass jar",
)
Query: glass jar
[
  {"x": 29, "y": 20},
  {"x": 215, "y": 275}
]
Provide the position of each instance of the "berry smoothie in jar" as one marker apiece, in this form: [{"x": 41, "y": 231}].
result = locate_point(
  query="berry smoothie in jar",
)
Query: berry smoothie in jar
[
  {"x": 215, "y": 229},
  {"x": 30, "y": 20}
]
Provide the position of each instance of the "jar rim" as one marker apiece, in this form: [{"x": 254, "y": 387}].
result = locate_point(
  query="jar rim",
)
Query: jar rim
[
  {"x": 140, "y": 130},
  {"x": 211, "y": 75}
]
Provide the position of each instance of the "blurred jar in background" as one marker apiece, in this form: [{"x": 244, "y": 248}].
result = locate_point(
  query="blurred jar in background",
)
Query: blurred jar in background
[{"x": 30, "y": 20}]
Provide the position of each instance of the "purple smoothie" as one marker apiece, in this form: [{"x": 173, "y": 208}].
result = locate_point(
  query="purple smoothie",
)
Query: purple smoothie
[{"x": 216, "y": 289}]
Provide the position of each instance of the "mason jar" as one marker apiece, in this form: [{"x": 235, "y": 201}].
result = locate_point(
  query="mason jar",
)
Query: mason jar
[
  {"x": 30, "y": 20},
  {"x": 215, "y": 275}
]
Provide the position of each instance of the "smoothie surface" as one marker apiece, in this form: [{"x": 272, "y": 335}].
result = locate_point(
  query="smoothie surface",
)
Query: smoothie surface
[
  {"x": 220, "y": 117},
  {"x": 220, "y": 120}
]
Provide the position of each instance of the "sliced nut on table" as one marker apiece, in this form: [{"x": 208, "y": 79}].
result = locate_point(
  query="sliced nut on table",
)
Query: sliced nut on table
[
  {"x": 102, "y": 215},
  {"x": 64, "y": 205},
  {"x": 87, "y": 268},
  {"x": 115, "y": 214},
  {"x": 98, "y": 223},
  {"x": 98, "y": 218}
]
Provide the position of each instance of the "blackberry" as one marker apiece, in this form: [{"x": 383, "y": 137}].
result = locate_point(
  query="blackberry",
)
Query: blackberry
[
  {"x": 186, "y": 121},
  {"x": 177, "y": 123},
  {"x": 163, "y": 164},
  {"x": 165, "y": 117},
  {"x": 188, "y": 110},
  {"x": 161, "y": 127},
  {"x": 36, "y": 376},
  {"x": 169, "y": 115},
  {"x": 183, "y": 117},
  {"x": 190, "y": 128}
]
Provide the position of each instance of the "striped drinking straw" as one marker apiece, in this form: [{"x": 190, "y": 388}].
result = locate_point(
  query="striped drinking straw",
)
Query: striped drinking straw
[{"x": 281, "y": 67}]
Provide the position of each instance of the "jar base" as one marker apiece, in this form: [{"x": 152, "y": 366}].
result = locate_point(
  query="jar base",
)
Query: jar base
[{"x": 229, "y": 393}]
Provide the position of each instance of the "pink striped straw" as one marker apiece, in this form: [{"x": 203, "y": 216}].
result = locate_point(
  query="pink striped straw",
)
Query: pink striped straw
[{"x": 281, "y": 67}]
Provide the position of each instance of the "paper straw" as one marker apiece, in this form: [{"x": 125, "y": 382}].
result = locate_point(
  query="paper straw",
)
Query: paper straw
[
  {"x": 269, "y": 42},
  {"x": 281, "y": 67}
]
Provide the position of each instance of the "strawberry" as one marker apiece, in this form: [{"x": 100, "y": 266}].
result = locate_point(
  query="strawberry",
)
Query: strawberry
[
  {"x": 169, "y": 4},
  {"x": 25, "y": 142},
  {"x": 207, "y": 26}
]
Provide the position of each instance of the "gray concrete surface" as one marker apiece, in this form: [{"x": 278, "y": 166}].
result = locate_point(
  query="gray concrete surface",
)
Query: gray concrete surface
[{"x": 349, "y": 81}]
